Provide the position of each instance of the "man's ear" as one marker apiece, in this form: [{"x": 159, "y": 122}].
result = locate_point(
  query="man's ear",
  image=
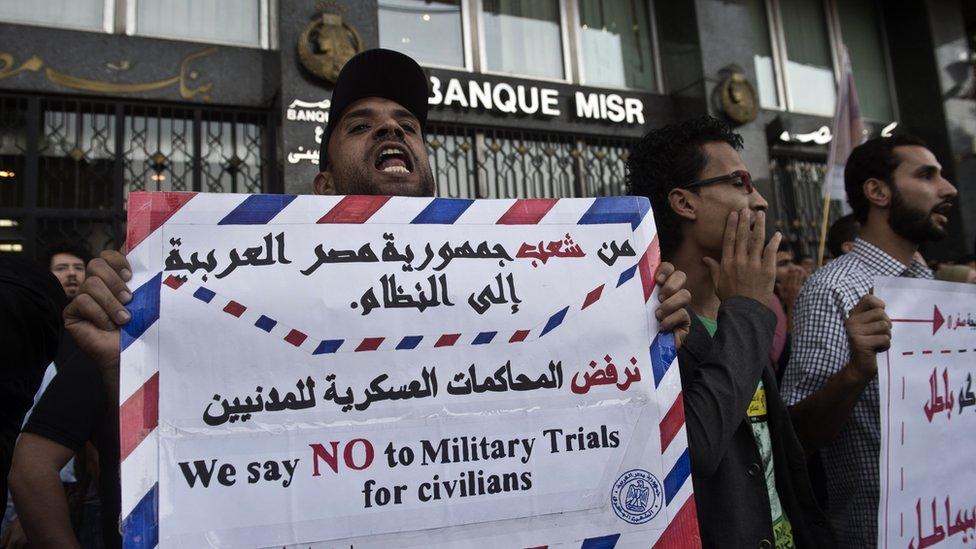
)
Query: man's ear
[
  {"x": 683, "y": 203},
  {"x": 324, "y": 183},
  {"x": 847, "y": 246},
  {"x": 877, "y": 192}
]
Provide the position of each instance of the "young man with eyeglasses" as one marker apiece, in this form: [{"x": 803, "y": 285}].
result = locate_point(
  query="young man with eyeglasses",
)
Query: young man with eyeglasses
[{"x": 748, "y": 468}]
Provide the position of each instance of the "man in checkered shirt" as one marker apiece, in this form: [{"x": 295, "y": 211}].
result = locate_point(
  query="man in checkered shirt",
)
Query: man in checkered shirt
[{"x": 896, "y": 189}]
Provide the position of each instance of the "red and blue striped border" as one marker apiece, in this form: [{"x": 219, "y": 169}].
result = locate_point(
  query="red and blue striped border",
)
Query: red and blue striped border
[{"x": 148, "y": 212}]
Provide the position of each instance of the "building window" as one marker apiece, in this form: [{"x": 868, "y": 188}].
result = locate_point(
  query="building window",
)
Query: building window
[
  {"x": 430, "y": 32},
  {"x": 605, "y": 43},
  {"x": 236, "y": 22},
  {"x": 796, "y": 43},
  {"x": 615, "y": 41},
  {"x": 860, "y": 27},
  {"x": 763, "y": 55},
  {"x": 523, "y": 38},
  {"x": 72, "y": 14},
  {"x": 809, "y": 64}
]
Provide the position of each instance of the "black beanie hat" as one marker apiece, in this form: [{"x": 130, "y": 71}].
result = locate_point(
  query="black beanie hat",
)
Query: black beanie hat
[{"x": 376, "y": 73}]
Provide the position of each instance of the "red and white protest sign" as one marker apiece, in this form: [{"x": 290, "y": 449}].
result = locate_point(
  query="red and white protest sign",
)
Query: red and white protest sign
[{"x": 928, "y": 415}]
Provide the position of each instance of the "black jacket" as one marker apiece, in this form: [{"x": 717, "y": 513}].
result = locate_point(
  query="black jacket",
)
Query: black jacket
[
  {"x": 31, "y": 300},
  {"x": 719, "y": 377}
]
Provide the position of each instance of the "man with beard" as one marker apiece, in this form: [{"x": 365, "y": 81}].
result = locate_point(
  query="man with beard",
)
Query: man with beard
[{"x": 899, "y": 196}]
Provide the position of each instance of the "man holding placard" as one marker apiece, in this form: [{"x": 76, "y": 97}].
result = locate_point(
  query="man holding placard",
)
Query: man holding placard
[
  {"x": 374, "y": 147},
  {"x": 899, "y": 196}
]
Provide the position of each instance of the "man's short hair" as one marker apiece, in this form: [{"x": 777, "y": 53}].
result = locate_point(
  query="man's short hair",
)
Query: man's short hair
[
  {"x": 671, "y": 157},
  {"x": 77, "y": 249},
  {"x": 875, "y": 158},
  {"x": 845, "y": 229}
]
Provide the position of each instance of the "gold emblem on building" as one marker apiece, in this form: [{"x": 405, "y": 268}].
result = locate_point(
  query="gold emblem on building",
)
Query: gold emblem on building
[
  {"x": 737, "y": 96},
  {"x": 326, "y": 44}
]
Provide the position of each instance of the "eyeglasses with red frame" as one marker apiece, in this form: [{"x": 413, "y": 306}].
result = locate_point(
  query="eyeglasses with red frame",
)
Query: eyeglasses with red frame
[{"x": 737, "y": 177}]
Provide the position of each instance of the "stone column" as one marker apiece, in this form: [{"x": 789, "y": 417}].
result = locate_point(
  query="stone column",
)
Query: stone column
[{"x": 300, "y": 122}]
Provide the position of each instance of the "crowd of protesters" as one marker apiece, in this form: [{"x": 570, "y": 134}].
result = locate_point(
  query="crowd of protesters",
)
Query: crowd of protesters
[{"x": 778, "y": 358}]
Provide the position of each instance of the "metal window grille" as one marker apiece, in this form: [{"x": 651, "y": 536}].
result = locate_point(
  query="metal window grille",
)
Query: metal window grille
[
  {"x": 75, "y": 161},
  {"x": 493, "y": 163},
  {"x": 797, "y": 200}
]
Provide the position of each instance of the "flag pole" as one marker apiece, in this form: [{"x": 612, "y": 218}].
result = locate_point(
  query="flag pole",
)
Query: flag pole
[{"x": 848, "y": 133}]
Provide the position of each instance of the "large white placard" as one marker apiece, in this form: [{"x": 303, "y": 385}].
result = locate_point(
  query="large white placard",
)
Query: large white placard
[
  {"x": 928, "y": 415},
  {"x": 426, "y": 372}
]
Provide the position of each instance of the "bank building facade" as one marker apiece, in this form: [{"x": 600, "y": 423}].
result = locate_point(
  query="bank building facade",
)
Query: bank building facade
[{"x": 99, "y": 98}]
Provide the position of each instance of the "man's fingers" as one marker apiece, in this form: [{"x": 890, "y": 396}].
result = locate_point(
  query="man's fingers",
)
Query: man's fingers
[
  {"x": 757, "y": 237},
  {"x": 871, "y": 315},
  {"x": 878, "y": 327},
  {"x": 877, "y": 343},
  {"x": 676, "y": 302},
  {"x": 664, "y": 270},
  {"x": 769, "y": 253},
  {"x": 674, "y": 320},
  {"x": 118, "y": 263},
  {"x": 100, "y": 269},
  {"x": 84, "y": 308},
  {"x": 742, "y": 236},
  {"x": 99, "y": 291},
  {"x": 672, "y": 285},
  {"x": 866, "y": 303},
  {"x": 728, "y": 239}
]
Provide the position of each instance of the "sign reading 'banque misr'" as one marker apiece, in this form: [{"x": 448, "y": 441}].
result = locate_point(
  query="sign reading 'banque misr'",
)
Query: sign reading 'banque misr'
[
  {"x": 528, "y": 99},
  {"x": 506, "y": 98},
  {"x": 495, "y": 100}
]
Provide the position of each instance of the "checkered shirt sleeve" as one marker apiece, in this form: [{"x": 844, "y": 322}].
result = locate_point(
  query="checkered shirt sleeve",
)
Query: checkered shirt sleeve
[{"x": 820, "y": 344}]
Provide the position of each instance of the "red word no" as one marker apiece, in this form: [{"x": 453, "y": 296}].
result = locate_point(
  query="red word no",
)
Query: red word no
[{"x": 331, "y": 458}]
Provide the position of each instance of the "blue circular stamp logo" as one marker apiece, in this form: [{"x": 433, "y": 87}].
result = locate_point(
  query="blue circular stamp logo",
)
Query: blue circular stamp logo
[{"x": 637, "y": 496}]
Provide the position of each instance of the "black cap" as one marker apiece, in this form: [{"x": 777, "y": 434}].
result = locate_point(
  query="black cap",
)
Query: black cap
[{"x": 377, "y": 73}]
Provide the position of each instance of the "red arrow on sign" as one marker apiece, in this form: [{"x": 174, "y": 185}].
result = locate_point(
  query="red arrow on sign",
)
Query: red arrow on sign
[{"x": 936, "y": 321}]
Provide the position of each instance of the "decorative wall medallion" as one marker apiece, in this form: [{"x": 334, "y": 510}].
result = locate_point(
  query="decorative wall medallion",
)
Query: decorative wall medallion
[
  {"x": 737, "y": 97},
  {"x": 326, "y": 44}
]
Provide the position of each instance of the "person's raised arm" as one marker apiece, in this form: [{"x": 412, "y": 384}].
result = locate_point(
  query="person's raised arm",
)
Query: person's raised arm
[
  {"x": 93, "y": 317},
  {"x": 35, "y": 484},
  {"x": 819, "y": 418},
  {"x": 718, "y": 390}
]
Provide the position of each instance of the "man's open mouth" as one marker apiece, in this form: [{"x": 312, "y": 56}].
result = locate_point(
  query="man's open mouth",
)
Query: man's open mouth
[
  {"x": 942, "y": 210},
  {"x": 394, "y": 159}
]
